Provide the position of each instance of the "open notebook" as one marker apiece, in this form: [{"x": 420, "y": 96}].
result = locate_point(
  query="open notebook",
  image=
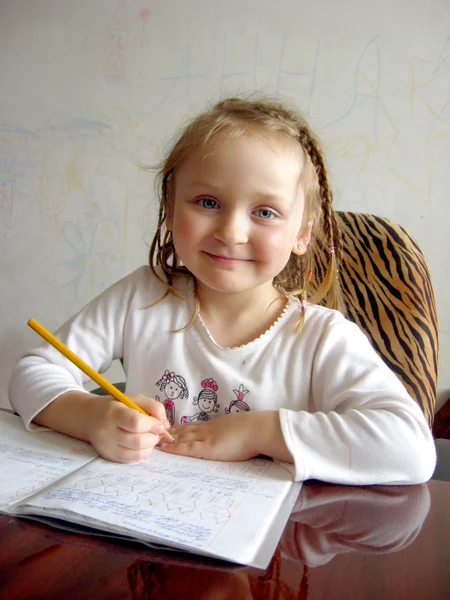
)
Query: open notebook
[{"x": 234, "y": 511}]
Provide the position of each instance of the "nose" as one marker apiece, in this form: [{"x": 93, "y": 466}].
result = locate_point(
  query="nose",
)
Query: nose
[{"x": 232, "y": 229}]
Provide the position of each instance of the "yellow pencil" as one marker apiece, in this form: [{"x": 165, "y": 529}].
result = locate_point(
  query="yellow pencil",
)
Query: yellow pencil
[{"x": 90, "y": 372}]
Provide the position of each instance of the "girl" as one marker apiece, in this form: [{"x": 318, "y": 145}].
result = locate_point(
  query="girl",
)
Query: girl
[
  {"x": 173, "y": 386},
  {"x": 206, "y": 401},
  {"x": 244, "y": 200}
]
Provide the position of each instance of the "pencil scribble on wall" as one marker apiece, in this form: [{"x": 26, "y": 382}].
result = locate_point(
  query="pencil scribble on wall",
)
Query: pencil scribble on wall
[
  {"x": 294, "y": 78},
  {"x": 13, "y": 189},
  {"x": 144, "y": 14},
  {"x": 116, "y": 50},
  {"x": 372, "y": 144},
  {"x": 186, "y": 75},
  {"x": 18, "y": 165},
  {"x": 64, "y": 179},
  {"x": 90, "y": 255}
]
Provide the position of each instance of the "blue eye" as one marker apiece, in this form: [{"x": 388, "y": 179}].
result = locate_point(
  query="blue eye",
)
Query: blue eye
[
  {"x": 265, "y": 213},
  {"x": 208, "y": 203}
]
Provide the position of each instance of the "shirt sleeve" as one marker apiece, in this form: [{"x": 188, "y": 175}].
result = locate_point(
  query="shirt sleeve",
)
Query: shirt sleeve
[
  {"x": 362, "y": 426},
  {"x": 95, "y": 334}
]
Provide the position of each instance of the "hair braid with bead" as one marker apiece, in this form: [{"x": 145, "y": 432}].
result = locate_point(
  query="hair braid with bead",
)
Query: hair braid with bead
[{"x": 329, "y": 226}]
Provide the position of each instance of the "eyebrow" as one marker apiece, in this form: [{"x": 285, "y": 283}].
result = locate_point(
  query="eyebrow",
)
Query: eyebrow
[
  {"x": 268, "y": 197},
  {"x": 258, "y": 195}
]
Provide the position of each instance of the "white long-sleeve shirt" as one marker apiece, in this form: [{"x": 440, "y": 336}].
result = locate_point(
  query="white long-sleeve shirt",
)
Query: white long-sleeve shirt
[{"x": 345, "y": 416}]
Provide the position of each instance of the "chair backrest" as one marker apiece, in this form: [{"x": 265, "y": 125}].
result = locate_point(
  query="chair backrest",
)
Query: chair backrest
[{"x": 388, "y": 293}]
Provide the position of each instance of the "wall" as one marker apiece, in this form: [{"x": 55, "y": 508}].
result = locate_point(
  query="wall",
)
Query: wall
[{"x": 92, "y": 87}]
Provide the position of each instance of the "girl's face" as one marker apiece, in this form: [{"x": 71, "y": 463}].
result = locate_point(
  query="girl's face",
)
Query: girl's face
[
  {"x": 206, "y": 404},
  {"x": 172, "y": 390},
  {"x": 236, "y": 211}
]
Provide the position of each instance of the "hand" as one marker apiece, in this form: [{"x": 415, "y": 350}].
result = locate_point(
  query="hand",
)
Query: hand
[
  {"x": 122, "y": 434},
  {"x": 230, "y": 437},
  {"x": 238, "y": 436}
]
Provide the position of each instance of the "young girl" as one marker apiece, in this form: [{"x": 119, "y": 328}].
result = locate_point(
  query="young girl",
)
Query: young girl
[{"x": 244, "y": 200}]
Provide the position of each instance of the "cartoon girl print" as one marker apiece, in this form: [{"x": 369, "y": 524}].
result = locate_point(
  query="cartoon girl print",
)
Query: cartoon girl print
[
  {"x": 206, "y": 400},
  {"x": 238, "y": 405},
  {"x": 174, "y": 386}
]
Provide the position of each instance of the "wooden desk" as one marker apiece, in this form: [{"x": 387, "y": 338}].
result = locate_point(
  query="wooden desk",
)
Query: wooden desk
[{"x": 376, "y": 543}]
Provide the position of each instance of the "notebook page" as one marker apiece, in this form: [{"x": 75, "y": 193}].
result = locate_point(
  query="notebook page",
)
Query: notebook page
[
  {"x": 29, "y": 462},
  {"x": 216, "y": 508}
]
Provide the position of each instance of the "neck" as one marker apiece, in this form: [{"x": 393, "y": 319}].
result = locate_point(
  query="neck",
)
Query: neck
[{"x": 236, "y": 319}]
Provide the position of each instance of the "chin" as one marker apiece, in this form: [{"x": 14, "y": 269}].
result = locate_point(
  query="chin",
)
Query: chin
[{"x": 224, "y": 287}]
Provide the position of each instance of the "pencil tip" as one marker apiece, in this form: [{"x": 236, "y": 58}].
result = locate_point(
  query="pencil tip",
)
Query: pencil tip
[{"x": 174, "y": 441}]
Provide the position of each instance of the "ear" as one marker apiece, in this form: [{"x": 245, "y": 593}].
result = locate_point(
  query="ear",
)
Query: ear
[{"x": 303, "y": 239}]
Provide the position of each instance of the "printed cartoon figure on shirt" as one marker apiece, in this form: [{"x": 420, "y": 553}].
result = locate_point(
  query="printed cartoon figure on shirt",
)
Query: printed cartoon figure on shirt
[
  {"x": 207, "y": 402},
  {"x": 238, "y": 405},
  {"x": 174, "y": 386}
]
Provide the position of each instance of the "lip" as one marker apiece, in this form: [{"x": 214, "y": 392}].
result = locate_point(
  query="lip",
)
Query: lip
[{"x": 225, "y": 259}]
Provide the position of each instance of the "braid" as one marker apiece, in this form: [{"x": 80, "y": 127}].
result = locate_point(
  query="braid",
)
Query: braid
[
  {"x": 329, "y": 289},
  {"x": 162, "y": 249}
]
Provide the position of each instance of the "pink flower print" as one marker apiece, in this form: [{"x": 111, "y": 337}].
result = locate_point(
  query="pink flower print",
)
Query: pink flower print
[{"x": 210, "y": 383}]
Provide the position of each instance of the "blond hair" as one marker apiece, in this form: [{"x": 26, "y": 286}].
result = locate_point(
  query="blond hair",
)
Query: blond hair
[{"x": 238, "y": 116}]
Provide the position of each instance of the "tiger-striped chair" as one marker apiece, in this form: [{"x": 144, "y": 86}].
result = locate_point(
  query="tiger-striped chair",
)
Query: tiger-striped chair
[{"x": 388, "y": 293}]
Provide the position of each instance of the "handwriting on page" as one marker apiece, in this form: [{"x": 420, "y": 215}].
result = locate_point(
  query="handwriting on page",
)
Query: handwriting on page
[
  {"x": 34, "y": 457},
  {"x": 168, "y": 497},
  {"x": 30, "y": 462}
]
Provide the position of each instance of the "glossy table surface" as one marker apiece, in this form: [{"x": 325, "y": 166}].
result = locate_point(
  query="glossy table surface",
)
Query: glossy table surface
[{"x": 341, "y": 542}]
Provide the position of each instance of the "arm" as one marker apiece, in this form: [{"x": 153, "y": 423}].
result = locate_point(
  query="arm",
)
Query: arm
[
  {"x": 363, "y": 427},
  {"x": 48, "y": 389},
  {"x": 95, "y": 334}
]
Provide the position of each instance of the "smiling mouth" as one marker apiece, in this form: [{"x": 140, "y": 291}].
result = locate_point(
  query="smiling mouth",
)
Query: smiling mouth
[{"x": 225, "y": 259}]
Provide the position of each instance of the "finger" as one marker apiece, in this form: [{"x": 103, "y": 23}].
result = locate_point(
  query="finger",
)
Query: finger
[
  {"x": 137, "y": 441},
  {"x": 129, "y": 455},
  {"x": 183, "y": 428},
  {"x": 187, "y": 436},
  {"x": 196, "y": 449},
  {"x": 135, "y": 422},
  {"x": 152, "y": 407}
]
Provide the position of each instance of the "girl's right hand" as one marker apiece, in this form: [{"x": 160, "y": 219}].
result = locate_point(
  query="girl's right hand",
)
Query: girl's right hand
[{"x": 122, "y": 434}]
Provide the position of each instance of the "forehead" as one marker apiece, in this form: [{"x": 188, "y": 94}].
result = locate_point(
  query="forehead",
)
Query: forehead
[{"x": 269, "y": 157}]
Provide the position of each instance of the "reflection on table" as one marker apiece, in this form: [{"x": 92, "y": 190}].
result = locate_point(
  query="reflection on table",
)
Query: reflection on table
[{"x": 340, "y": 542}]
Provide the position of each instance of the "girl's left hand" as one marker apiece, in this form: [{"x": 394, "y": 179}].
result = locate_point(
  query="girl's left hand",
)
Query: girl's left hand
[{"x": 230, "y": 437}]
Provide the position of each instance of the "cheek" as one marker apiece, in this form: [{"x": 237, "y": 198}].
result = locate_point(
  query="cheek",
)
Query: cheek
[
  {"x": 186, "y": 228},
  {"x": 276, "y": 244}
]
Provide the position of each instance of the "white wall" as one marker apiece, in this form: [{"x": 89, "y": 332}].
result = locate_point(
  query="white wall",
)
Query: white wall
[{"x": 89, "y": 87}]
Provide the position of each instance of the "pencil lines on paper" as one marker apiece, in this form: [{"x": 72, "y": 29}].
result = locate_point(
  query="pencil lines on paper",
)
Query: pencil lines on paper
[
  {"x": 164, "y": 496},
  {"x": 26, "y": 490},
  {"x": 216, "y": 513},
  {"x": 208, "y": 502}
]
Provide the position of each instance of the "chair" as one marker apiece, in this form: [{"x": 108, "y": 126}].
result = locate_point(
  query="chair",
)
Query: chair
[{"x": 388, "y": 293}]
